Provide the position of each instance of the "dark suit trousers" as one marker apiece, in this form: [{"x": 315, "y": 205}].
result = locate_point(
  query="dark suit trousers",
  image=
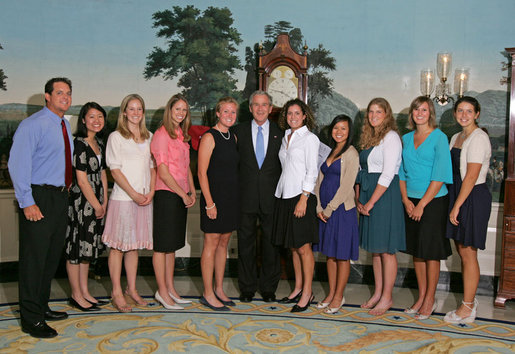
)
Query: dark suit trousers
[
  {"x": 41, "y": 246},
  {"x": 270, "y": 272}
]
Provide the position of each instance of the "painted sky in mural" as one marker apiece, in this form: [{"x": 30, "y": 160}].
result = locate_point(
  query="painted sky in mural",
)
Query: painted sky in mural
[{"x": 380, "y": 46}]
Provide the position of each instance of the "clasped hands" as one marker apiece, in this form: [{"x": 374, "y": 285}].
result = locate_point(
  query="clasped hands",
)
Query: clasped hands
[{"x": 414, "y": 212}]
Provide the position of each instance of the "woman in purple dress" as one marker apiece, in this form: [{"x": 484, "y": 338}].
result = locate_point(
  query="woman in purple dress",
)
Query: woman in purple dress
[{"x": 336, "y": 208}]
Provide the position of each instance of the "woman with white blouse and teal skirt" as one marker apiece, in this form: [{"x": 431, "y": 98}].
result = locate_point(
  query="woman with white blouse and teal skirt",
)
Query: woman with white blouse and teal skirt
[
  {"x": 295, "y": 223},
  {"x": 381, "y": 222},
  {"x": 470, "y": 201}
]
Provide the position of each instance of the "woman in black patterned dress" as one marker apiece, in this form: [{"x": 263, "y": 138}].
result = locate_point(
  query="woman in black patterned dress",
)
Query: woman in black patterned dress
[{"x": 88, "y": 203}]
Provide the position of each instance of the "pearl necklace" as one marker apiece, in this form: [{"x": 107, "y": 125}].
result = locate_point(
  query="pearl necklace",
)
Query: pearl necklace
[{"x": 223, "y": 136}]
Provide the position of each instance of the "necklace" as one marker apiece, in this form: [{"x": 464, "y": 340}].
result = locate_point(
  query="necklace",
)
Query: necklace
[
  {"x": 465, "y": 135},
  {"x": 222, "y": 134}
]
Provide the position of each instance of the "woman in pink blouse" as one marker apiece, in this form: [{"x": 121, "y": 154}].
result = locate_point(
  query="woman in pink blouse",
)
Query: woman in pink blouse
[{"x": 175, "y": 193}]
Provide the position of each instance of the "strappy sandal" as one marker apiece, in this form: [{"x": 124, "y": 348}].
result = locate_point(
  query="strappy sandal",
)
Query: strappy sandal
[
  {"x": 120, "y": 308},
  {"x": 452, "y": 317},
  {"x": 133, "y": 300}
]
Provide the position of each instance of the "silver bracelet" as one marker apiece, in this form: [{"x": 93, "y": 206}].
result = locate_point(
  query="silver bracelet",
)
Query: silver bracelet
[{"x": 211, "y": 207}]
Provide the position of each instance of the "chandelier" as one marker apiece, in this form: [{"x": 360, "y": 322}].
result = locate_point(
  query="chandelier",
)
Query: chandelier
[{"x": 443, "y": 90}]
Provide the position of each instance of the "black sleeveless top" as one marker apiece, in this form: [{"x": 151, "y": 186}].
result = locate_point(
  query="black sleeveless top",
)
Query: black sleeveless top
[{"x": 222, "y": 175}]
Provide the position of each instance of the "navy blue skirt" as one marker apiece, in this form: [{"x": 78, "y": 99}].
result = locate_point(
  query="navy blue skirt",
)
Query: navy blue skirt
[{"x": 474, "y": 213}]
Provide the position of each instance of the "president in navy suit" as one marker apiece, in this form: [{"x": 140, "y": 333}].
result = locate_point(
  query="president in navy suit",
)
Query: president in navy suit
[{"x": 259, "y": 141}]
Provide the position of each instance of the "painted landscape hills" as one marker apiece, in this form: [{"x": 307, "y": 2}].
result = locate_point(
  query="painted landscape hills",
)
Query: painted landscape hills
[{"x": 493, "y": 115}]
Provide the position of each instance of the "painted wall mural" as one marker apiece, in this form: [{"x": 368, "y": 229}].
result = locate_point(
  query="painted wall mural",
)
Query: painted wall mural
[{"x": 356, "y": 51}]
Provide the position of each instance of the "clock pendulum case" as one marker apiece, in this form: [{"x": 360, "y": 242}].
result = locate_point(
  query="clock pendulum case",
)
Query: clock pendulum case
[{"x": 283, "y": 74}]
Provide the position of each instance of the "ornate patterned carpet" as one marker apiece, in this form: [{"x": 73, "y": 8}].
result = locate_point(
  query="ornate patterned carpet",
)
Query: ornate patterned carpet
[{"x": 253, "y": 328}]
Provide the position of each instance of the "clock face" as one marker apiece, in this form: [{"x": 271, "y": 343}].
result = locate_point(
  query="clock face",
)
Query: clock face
[{"x": 282, "y": 85}]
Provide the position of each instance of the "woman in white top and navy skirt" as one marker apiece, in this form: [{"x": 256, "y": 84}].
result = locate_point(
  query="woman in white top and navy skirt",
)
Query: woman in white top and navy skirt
[
  {"x": 295, "y": 221},
  {"x": 470, "y": 201}
]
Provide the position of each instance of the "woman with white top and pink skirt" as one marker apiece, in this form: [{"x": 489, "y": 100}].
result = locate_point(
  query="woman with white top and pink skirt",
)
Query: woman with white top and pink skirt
[{"x": 129, "y": 215}]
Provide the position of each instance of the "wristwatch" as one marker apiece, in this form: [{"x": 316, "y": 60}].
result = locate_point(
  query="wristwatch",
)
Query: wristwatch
[{"x": 306, "y": 194}]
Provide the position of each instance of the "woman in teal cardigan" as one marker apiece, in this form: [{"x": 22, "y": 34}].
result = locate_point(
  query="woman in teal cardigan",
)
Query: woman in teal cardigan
[{"x": 426, "y": 168}]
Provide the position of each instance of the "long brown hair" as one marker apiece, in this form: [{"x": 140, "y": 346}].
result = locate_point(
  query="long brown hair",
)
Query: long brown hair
[
  {"x": 170, "y": 125},
  {"x": 372, "y": 137}
]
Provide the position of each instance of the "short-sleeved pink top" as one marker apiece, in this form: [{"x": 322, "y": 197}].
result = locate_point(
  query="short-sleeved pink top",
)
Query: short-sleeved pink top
[{"x": 175, "y": 153}]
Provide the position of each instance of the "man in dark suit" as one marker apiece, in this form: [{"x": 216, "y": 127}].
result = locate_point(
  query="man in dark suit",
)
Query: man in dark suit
[{"x": 259, "y": 142}]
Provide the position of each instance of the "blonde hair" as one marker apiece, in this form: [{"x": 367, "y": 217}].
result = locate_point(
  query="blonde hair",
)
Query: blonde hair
[
  {"x": 225, "y": 100},
  {"x": 170, "y": 125},
  {"x": 123, "y": 125},
  {"x": 371, "y": 136},
  {"x": 415, "y": 104}
]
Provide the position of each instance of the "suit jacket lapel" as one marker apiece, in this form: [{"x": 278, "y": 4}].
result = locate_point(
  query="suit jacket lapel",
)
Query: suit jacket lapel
[
  {"x": 251, "y": 144},
  {"x": 272, "y": 137}
]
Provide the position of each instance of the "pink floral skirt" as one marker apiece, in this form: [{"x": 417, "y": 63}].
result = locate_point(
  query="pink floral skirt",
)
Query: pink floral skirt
[{"x": 128, "y": 226}]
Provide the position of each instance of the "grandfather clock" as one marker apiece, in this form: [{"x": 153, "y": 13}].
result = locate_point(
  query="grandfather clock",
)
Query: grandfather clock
[
  {"x": 506, "y": 289},
  {"x": 283, "y": 73}
]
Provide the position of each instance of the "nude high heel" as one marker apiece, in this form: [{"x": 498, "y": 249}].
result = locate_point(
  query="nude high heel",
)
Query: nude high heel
[{"x": 132, "y": 300}]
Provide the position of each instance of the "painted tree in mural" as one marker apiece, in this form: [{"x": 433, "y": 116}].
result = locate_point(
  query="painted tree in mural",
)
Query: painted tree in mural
[
  {"x": 200, "y": 51},
  {"x": 3, "y": 86},
  {"x": 320, "y": 62}
]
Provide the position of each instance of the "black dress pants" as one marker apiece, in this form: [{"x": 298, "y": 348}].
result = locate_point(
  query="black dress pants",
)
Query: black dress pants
[
  {"x": 270, "y": 272},
  {"x": 41, "y": 246}
]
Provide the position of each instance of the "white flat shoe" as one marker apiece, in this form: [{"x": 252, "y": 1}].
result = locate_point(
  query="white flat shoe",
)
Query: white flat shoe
[
  {"x": 178, "y": 300},
  {"x": 419, "y": 316},
  {"x": 165, "y": 305},
  {"x": 333, "y": 310},
  {"x": 452, "y": 317},
  {"x": 410, "y": 311},
  {"x": 322, "y": 305}
]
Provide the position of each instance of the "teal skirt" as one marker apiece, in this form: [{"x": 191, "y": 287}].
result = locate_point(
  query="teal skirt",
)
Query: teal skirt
[{"x": 384, "y": 230}]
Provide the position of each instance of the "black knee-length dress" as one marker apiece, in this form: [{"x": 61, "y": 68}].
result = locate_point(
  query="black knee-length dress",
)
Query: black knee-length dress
[{"x": 222, "y": 175}]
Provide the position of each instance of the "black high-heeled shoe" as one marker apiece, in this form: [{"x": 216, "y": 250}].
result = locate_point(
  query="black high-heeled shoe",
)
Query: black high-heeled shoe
[
  {"x": 82, "y": 308},
  {"x": 297, "y": 308},
  {"x": 98, "y": 303},
  {"x": 287, "y": 300}
]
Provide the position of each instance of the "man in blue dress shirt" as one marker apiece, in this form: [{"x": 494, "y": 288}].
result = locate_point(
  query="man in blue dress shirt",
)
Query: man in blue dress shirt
[{"x": 40, "y": 168}]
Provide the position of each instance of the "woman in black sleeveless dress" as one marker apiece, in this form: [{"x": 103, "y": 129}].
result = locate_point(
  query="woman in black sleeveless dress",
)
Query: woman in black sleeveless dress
[{"x": 218, "y": 178}]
